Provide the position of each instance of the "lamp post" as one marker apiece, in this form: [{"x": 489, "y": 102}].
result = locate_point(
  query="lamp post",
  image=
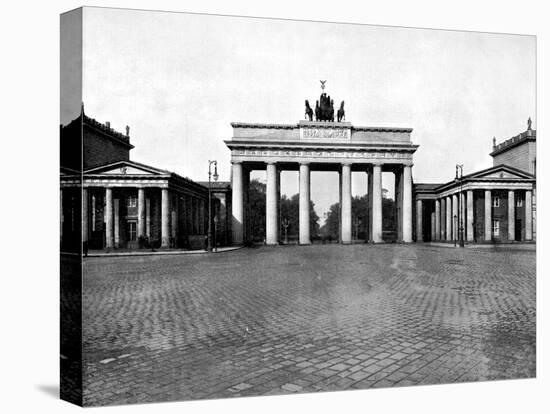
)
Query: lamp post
[
  {"x": 460, "y": 215},
  {"x": 356, "y": 223},
  {"x": 216, "y": 233},
  {"x": 215, "y": 177},
  {"x": 455, "y": 222},
  {"x": 286, "y": 223}
]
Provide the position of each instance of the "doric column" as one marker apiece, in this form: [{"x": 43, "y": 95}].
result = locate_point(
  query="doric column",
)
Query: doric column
[
  {"x": 419, "y": 233},
  {"x": 340, "y": 206},
  {"x": 488, "y": 216},
  {"x": 108, "y": 218},
  {"x": 469, "y": 215},
  {"x": 369, "y": 200},
  {"x": 455, "y": 218},
  {"x": 116, "y": 220},
  {"x": 432, "y": 226},
  {"x": 277, "y": 204},
  {"x": 174, "y": 217},
  {"x": 304, "y": 204},
  {"x": 528, "y": 215},
  {"x": 437, "y": 222},
  {"x": 462, "y": 215},
  {"x": 448, "y": 219},
  {"x": 511, "y": 216},
  {"x": 443, "y": 234},
  {"x": 377, "y": 203},
  {"x": 407, "y": 204},
  {"x": 237, "y": 207},
  {"x": 84, "y": 214},
  {"x": 346, "y": 203},
  {"x": 398, "y": 181},
  {"x": 141, "y": 212},
  {"x": 271, "y": 222},
  {"x": 164, "y": 218}
]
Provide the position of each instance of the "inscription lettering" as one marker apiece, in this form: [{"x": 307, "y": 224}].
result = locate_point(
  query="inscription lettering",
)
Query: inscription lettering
[{"x": 325, "y": 133}]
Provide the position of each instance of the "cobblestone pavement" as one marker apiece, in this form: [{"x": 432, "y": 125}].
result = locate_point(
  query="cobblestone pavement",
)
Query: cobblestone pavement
[{"x": 276, "y": 320}]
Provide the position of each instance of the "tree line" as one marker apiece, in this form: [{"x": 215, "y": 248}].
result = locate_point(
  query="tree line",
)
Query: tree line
[{"x": 289, "y": 216}]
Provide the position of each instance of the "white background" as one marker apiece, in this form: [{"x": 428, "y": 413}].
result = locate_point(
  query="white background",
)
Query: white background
[{"x": 29, "y": 205}]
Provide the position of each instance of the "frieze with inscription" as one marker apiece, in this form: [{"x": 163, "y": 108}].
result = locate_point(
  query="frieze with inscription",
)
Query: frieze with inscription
[{"x": 321, "y": 154}]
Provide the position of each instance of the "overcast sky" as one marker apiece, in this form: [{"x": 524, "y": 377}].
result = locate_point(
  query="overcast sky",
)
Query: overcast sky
[{"x": 179, "y": 80}]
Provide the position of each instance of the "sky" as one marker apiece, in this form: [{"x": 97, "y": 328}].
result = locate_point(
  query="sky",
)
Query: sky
[{"x": 178, "y": 80}]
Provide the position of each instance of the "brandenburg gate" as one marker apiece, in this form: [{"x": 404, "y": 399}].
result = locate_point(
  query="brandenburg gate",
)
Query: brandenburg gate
[{"x": 322, "y": 146}]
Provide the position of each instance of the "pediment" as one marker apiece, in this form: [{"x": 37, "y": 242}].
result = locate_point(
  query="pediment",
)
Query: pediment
[
  {"x": 501, "y": 172},
  {"x": 125, "y": 168}
]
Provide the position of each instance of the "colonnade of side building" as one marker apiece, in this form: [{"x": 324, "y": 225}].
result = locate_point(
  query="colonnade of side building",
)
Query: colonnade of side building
[
  {"x": 452, "y": 210},
  {"x": 374, "y": 172},
  {"x": 173, "y": 214}
]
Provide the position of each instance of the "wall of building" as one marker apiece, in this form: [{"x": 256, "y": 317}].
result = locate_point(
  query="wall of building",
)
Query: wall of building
[
  {"x": 500, "y": 213},
  {"x": 479, "y": 215},
  {"x": 100, "y": 150},
  {"x": 521, "y": 157}
]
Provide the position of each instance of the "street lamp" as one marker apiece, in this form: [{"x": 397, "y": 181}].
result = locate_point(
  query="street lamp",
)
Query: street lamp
[
  {"x": 458, "y": 178},
  {"x": 216, "y": 233},
  {"x": 286, "y": 223},
  {"x": 356, "y": 223},
  {"x": 215, "y": 177}
]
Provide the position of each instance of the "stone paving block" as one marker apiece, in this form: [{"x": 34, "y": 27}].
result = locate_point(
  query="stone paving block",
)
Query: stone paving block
[{"x": 291, "y": 387}]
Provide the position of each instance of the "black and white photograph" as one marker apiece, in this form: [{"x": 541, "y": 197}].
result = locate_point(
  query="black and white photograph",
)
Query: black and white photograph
[
  {"x": 265, "y": 207},
  {"x": 259, "y": 207}
]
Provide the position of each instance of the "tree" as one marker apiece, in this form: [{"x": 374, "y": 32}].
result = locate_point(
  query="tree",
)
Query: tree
[
  {"x": 289, "y": 209},
  {"x": 256, "y": 210},
  {"x": 360, "y": 218}
]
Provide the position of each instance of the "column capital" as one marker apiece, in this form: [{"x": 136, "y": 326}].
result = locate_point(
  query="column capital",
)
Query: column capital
[
  {"x": 376, "y": 163},
  {"x": 346, "y": 163},
  {"x": 271, "y": 162},
  {"x": 306, "y": 163},
  {"x": 408, "y": 164}
]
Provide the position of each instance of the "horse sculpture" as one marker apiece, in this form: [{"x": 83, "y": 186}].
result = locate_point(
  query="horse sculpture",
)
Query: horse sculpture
[
  {"x": 324, "y": 109},
  {"x": 309, "y": 111},
  {"x": 341, "y": 115},
  {"x": 317, "y": 111}
]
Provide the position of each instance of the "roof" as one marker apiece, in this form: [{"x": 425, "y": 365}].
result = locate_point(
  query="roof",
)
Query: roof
[
  {"x": 129, "y": 168},
  {"x": 497, "y": 173},
  {"x": 319, "y": 124},
  {"x": 529, "y": 135},
  {"x": 105, "y": 129},
  {"x": 126, "y": 163},
  {"x": 426, "y": 187},
  {"x": 216, "y": 185}
]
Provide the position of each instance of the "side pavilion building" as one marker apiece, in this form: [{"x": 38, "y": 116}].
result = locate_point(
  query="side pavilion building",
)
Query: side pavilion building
[
  {"x": 494, "y": 205},
  {"x": 118, "y": 203}
]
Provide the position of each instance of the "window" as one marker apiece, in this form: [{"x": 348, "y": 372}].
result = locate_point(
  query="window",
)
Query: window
[
  {"x": 132, "y": 231},
  {"x": 519, "y": 202},
  {"x": 496, "y": 227},
  {"x": 496, "y": 201},
  {"x": 132, "y": 201}
]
